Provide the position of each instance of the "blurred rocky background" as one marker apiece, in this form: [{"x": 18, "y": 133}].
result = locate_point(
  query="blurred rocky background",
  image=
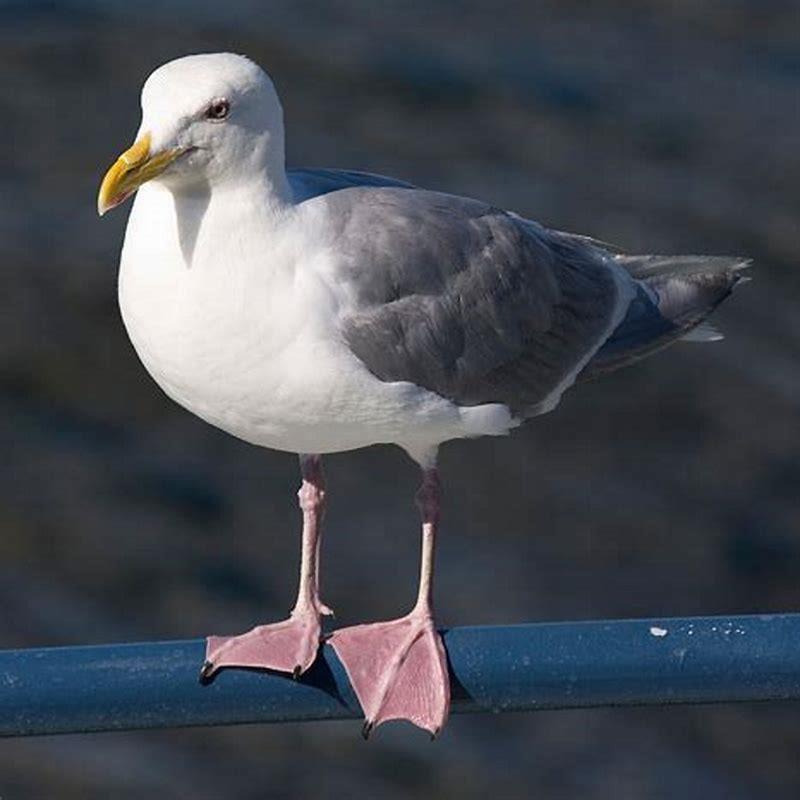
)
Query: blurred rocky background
[{"x": 670, "y": 488}]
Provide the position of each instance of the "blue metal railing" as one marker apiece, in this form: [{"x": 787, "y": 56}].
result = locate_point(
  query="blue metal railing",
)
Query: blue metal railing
[{"x": 515, "y": 668}]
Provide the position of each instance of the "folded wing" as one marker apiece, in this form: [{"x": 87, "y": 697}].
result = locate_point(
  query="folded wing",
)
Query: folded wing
[{"x": 468, "y": 301}]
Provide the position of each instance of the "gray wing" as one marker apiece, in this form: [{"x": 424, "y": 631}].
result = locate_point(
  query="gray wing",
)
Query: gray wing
[
  {"x": 466, "y": 300},
  {"x": 309, "y": 183}
]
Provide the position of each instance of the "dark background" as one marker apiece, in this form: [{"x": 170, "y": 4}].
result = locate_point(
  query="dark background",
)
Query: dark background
[{"x": 669, "y": 488}]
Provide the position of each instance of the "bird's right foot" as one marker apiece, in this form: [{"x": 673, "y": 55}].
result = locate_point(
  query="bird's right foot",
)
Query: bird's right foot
[{"x": 290, "y": 646}]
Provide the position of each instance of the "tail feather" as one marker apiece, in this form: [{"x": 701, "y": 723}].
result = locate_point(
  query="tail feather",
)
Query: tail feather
[
  {"x": 674, "y": 295},
  {"x": 647, "y": 268},
  {"x": 704, "y": 332}
]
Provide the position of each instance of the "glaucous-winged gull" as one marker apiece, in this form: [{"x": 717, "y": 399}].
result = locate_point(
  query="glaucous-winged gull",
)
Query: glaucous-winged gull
[{"x": 317, "y": 311}]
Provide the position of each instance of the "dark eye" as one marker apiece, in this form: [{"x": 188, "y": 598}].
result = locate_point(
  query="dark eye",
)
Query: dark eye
[{"x": 218, "y": 109}]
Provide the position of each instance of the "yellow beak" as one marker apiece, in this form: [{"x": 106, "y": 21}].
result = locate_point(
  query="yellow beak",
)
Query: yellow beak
[{"x": 133, "y": 168}]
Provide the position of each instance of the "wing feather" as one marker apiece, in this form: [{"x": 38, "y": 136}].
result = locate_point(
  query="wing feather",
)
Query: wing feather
[{"x": 466, "y": 300}]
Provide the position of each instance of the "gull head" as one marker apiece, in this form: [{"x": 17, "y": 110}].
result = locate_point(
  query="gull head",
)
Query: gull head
[{"x": 206, "y": 119}]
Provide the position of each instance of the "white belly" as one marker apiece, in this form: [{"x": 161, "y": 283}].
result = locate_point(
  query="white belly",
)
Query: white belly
[{"x": 251, "y": 345}]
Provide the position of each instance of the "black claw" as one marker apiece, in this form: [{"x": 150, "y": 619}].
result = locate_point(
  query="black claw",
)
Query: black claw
[
  {"x": 297, "y": 672},
  {"x": 366, "y": 730},
  {"x": 434, "y": 734},
  {"x": 206, "y": 673},
  {"x": 325, "y": 637}
]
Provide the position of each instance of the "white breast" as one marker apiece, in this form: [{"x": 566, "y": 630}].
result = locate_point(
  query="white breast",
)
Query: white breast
[{"x": 234, "y": 319}]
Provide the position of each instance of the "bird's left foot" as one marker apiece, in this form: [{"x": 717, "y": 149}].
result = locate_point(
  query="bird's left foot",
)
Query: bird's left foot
[
  {"x": 398, "y": 670},
  {"x": 290, "y": 646}
]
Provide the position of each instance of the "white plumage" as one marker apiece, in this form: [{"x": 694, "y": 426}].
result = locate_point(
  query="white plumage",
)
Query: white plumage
[{"x": 228, "y": 292}]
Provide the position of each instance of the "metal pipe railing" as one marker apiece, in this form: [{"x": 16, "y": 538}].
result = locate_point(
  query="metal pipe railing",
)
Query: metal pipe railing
[{"x": 514, "y": 668}]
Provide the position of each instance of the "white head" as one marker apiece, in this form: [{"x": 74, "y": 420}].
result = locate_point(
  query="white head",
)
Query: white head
[{"x": 206, "y": 119}]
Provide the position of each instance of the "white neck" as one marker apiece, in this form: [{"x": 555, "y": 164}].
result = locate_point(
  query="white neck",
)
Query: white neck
[{"x": 176, "y": 217}]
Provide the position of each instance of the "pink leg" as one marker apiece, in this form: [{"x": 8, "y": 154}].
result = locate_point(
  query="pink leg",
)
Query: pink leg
[
  {"x": 292, "y": 645},
  {"x": 398, "y": 669}
]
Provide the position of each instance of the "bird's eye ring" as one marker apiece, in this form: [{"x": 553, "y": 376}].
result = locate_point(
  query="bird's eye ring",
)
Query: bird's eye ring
[{"x": 218, "y": 109}]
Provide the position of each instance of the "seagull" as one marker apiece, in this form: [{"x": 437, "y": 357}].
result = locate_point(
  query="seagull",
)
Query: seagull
[{"x": 321, "y": 310}]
